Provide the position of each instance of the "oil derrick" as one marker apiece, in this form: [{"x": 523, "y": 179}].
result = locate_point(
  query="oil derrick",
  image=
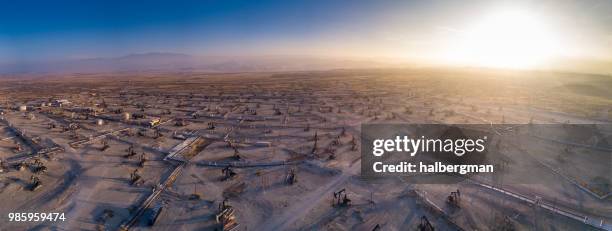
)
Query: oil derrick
[
  {"x": 425, "y": 225},
  {"x": 332, "y": 152},
  {"x": 180, "y": 123},
  {"x": 228, "y": 141},
  {"x": 211, "y": 125},
  {"x": 314, "y": 147},
  {"x": 157, "y": 134},
  {"x": 135, "y": 178},
  {"x": 228, "y": 173},
  {"x": 226, "y": 217},
  {"x": 236, "y": 153},
  {"x": 130, "y": 152},
  {"x": 129, "y": 132},
  {"x": 504, "y": 223},
  {"x": 21, "y": 166},
  {"x": 38, "y": 167},
  {"x": 34, "y": 184},
  {"x": 568, "y": 149},
  {"x": 73, "y": 126},
  {"x": 454, "y": 198},
  {"x": 341, "y": 199},
  {"x": 291, "y": 177},
  {"x": 138, "y": 116},
  {"x": 408, "y": 111},
  {"x": 194, "y": 195},
  {"x": 106, "y": 215},
  {"x": 353, "y": 144},
  {"x": 64, "y": 128},
  {"x": 142, "y": 160},
  {"x": 336, "y": 141},
  {"x": 250, "y": 111},
  {"x": 104, "y": 145},
  {"x": 17, "y": 147},
  {"x": 177, "y": 136}
]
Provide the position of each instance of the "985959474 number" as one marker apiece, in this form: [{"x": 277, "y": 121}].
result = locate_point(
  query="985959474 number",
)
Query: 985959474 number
[{"x": 36, "y": 217}]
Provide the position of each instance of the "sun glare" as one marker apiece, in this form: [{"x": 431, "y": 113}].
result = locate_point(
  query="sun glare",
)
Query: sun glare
[{"x": 506, "y": 39}]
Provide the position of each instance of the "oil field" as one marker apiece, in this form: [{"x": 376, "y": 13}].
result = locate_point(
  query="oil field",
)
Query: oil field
[{"x": 281, "y": 151}]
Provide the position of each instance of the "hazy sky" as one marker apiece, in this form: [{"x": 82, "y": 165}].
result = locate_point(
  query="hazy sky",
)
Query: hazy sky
[{"x": 402, "y": 30}]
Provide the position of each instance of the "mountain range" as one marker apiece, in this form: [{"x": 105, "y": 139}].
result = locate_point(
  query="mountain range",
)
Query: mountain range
[{"x": 183, "y": 62}]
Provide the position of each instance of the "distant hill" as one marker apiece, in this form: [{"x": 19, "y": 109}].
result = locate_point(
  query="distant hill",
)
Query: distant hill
[{"x": 183, "y": 62}]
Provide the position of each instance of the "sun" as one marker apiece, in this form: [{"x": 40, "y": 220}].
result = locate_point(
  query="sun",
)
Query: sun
[{"x": 506, "y": 39}]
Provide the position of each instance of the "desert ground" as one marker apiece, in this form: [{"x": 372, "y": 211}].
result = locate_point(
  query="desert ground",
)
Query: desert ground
[{"x": 268, "y": 151}]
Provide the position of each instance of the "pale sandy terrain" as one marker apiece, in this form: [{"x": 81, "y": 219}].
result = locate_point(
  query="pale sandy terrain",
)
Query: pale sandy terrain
[{"x": 271, "y": 120}]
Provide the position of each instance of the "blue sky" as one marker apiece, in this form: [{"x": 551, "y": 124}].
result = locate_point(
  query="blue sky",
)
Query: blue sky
[
  {"x": 53, "y": 30},
  {"x": 60, "y": 29}
]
